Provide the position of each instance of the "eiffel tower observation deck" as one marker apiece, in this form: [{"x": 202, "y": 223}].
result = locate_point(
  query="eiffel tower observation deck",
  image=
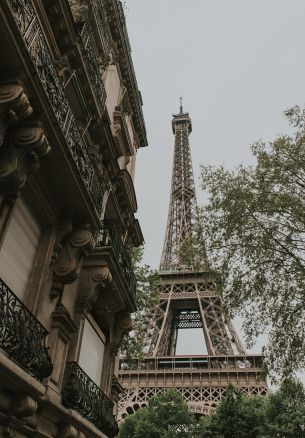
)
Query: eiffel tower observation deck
[{"x": 188, "y": 300}]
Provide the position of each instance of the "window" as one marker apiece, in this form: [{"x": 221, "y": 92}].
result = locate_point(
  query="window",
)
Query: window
[
  {"x": 92, "y": 351},
  {"x": 19, "y": 248}
]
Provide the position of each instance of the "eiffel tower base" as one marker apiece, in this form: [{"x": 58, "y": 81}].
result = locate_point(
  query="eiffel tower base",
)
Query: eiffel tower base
[
  {"x": 190, "y": 300},
  {"x": 201, "y": 380}
]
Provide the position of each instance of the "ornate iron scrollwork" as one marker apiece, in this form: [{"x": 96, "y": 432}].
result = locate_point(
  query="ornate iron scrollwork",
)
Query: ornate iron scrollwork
[
  {"x": 22, "y": 336},
  {"x": 109, "y": 236},
  {"x": 89, "y": 54},
  {"x": 27, "y": 21},
  {"x": 100, "y": 13},
  {"x": 84, "y": 396},
  {"x": 126, "y": 264}
]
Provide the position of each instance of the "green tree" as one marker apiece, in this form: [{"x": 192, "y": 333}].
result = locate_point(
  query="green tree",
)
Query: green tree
[
  {"x": 166, "y": 416},
  {"x": 237, "y": 416},
  {"x": 285, "y": 411},
  {"x": 254, "y": 227},
  {"x": 147, "y": 296}
]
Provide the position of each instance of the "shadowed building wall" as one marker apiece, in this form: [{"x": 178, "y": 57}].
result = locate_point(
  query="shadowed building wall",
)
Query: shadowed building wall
[{"x": 71, "y": 123}]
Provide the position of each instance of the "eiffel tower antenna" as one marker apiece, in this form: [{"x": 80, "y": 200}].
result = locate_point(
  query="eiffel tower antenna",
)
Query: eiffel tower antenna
[{"x": 181, "y": 108}]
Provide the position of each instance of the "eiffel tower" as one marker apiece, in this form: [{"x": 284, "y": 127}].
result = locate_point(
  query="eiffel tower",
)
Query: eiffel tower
[{"x": 188, "y": 300}]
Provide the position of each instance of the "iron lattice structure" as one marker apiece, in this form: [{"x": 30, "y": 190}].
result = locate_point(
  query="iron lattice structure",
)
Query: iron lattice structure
[
  {"x": 188, "y": 299},
  {"x": 182, "y": 212}
]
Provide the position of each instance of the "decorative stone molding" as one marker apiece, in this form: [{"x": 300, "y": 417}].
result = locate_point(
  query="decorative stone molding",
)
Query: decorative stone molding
[
  {"x": 20, "y": 155},
  {"x": 66, "y": 430},
  {"x": 92, "y": 283},
  {"x": 62, "y": 319},
  {"x": 65, "y": 227},
  {"x": 14, "y": 106},
  {"x": 9, "y": 431},
  {"x": 5, "y": 400},
  {"x": 24, "y": 405},
  {"x": 67, "y": 265},
  {"x": 124, "y": 144},
  {"x": 19, "y": 404},
  {"x": 122, "y": 325},
  {"x": 116, "y": 388}
]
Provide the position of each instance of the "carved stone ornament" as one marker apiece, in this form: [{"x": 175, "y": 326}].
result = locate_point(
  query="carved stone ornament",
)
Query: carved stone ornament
[
  {"x": 24, "y": 406},
  {"x": 21, "y": 405},
  {"x": 79, "y": 9},
  {"x": 14, "y": 106},
  {"x": 20, "y": 155},
  {"x": 9, "y": 431},
  {"x": 67, "y": 265},
  {"x": 122, "y": 325},
  {"x": 66, "y": 430},
  {"x": 92, "y": 282}
]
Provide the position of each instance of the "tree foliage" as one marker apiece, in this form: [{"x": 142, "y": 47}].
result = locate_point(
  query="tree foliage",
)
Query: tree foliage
[
  {"x": 254, "y": 228},
  {"x": 277, "y": 415},
  {"x": 236, "y": 416},
  {"x": 281, "y": 414},
  {"x": 285, "y": 411},
  {"x": 166, "y": 416},
  {"x": 147, "y": 296}
]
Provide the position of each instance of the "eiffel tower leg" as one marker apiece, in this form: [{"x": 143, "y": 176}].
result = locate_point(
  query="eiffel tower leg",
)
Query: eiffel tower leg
[
  {"x": 160, "y": 345},
  {"x": 206, "y": 332}
]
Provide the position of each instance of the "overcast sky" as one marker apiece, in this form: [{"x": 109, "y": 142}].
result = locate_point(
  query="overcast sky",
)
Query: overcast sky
[{"x": 238, "y": 65}]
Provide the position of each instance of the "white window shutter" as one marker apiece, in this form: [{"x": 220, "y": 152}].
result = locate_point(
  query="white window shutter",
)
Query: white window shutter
[{"x": 19, "y": 248}]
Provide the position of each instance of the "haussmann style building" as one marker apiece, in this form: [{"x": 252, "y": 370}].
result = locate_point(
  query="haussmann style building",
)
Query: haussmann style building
[{"x": 70, "y": 125}]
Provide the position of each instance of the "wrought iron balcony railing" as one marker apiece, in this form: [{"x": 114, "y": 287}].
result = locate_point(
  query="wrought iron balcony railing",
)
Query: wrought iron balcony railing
[
  {"x": 93, "y": 67},
  {"x": 22, "y": 336},
  {"x": 100, "y": 14},
  {"x": 28, "y": 23},
  {"x": 109, "y": 236},
  {"x": 84, "y": 396},
  {"x": 127, "y": 268}
]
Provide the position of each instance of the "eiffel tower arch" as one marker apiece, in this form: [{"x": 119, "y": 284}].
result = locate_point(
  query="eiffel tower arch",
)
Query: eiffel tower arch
[{"x": 188, "y": 300}]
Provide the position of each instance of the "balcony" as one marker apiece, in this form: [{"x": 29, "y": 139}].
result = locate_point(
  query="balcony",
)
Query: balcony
[
  {"x": 22, "y": 336},
  {"x": 88, "y": 52},
  {"x": 84, "y": 396},
  {"x": 124, "y": 142},
  {"x": 26, "y": 19},
  {"x": 100, "y": 17},
  {"x": 109, "y": 239}
]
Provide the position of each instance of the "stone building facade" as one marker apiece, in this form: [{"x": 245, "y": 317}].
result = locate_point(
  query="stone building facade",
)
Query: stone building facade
[{"x": 71, "y": 123}]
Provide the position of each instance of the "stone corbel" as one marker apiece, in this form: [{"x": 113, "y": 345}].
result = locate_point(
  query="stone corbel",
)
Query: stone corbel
[
  {"x": 67, "y": 265},
  {"x": 116, "y": 388},
  {"x": 116, "y": 129},
  {"x": 24, "y": 406},
  {"x": 79, "y": 9},
  {"x": 66, "y": 430},
  {"x": 14, "y": 106},
  {"x": 122, "y": 325},
  {"x": 92, "y": 282},
  {"x": 9, "y": 430},
  {"x": 20, "y": 405},
  {"x": 20, "y": 155}
]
